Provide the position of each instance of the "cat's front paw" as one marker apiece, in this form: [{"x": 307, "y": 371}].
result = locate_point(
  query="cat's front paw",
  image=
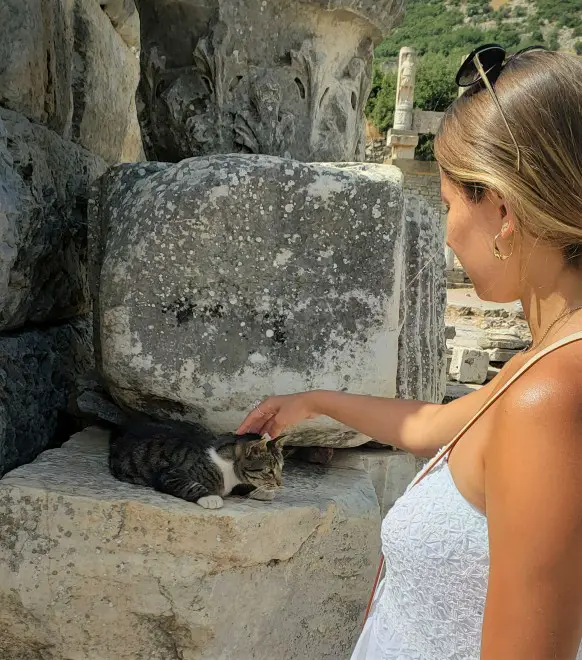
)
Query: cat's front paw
[
  {"x": 211, "y": 502},
  {"x": 262, "y": 494}
]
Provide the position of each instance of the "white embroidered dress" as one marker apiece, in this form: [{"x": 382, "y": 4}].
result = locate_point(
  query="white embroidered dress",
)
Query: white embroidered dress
[{"x": 430, "y": 604}]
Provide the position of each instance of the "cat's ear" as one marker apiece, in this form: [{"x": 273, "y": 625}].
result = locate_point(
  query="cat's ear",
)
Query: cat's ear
[
  {"x": 280, "y": 442},
  {"x": 256, "y": 446}
]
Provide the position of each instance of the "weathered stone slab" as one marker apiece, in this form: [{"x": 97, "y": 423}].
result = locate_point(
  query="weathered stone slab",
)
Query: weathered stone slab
[
  {"x": 36, "y": 40},
  {"x": 250, "y": 76},
  {"x": 219, "y": 281},
  {"x": 422, "y": 345},
  {"x": 44, "y": 184},
  {"x": 505, "y": 340},
  {"x": 92, "y": 568},
  {"x": 501, "y": 354},
  {"x": 37, "y": 377},
  {"x": 105, "y": 79},
  {"x": 65, "y": 65},
  {"x": 458, "y": 390},
  {"x": 426, "y": 121},
  {"x": 390, "y": 471}
]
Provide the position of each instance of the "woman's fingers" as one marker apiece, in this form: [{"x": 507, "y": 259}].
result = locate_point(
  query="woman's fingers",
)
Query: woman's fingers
[
  {"x": 252, "y": 423},
  {"x": 273, "y": 427},
  {"x": 255, "y": 421}
]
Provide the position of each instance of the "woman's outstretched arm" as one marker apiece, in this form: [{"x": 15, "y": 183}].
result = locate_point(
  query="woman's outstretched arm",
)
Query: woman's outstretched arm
[{"x": 415, "y": 426}]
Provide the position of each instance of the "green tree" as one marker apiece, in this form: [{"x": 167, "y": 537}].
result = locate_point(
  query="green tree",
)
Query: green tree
[
  {"x": 435, "y": 82},
  {"x": 439, "y": 31},
  {"x": 552, "y": 41},
  {"x": 563, "y": 12},
  {"x": 435, "y": 89},
  {"x": 578, "y": 47},
  {"x": 380, "y": 105}
]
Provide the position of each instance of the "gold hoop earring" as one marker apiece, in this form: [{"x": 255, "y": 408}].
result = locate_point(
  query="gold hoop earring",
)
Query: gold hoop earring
[{"x": 497, "y": 252}]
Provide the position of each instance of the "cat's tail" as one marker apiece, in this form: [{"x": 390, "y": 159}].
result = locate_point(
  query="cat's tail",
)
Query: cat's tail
[{"x": 108, "y": 414}]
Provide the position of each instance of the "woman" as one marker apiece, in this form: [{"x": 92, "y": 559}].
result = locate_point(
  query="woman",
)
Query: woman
[{"x": 484, "y": 555}]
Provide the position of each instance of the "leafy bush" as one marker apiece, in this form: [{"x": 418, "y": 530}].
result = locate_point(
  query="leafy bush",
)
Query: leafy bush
[
  {"x": 578, "y": 47},
  {"x": 425, "y": 147},
  {"x": 563, "y": 12},
  {"x": 537, "y": 37}
]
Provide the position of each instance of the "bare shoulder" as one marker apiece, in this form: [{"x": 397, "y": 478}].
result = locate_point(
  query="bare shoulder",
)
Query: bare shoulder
[
  {"x": 552, "y": 387},
  {"x": 538, "y": 423}
]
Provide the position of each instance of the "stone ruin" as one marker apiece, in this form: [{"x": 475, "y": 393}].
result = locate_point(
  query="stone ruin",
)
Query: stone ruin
[
  {"x": 287, "y": 79},
  {"x": 259, "y": 257}
]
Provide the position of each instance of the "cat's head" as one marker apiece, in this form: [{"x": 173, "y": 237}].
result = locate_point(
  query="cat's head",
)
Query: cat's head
[{"x": 260, "y": 461}]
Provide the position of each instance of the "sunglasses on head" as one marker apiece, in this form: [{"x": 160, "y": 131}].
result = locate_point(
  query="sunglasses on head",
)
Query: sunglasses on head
[{"x": 482, "y": 68}]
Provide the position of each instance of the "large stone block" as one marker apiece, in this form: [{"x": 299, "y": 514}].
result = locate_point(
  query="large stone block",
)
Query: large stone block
[
  {"x": 124, "y": 18},
  {"x": 63, "y": 64},
  {"x": 44, "y": 183},
  {"x": 37, "y": 377},
  {"x": 95, "y": 569},
  {"x": 221, "y": 280},
  {"x": 250, "y": 76},
  {"x": 105, "y": 78}
]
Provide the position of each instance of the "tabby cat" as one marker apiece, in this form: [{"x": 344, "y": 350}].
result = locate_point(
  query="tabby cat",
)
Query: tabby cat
[{"x": 188, "y": 461}]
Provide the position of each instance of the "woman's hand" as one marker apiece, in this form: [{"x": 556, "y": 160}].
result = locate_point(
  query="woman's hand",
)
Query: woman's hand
[{"x": 275, "y": 414}]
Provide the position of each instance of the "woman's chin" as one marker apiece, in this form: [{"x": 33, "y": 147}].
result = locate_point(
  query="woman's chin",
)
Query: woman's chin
[{"x": 489, "y": 294}]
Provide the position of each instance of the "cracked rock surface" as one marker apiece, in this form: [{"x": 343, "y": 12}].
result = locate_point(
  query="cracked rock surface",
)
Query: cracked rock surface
[{"x": 93, "y": 568}]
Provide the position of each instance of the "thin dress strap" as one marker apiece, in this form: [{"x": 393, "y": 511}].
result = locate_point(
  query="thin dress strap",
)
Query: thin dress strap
[{"x": 570, "y": 339}]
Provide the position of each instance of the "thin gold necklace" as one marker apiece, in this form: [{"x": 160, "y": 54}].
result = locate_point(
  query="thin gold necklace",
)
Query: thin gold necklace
[{"x": 561, "y": 316}]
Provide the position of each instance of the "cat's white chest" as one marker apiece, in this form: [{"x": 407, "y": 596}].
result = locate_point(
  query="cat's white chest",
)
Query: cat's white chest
[{"x": 226, "y": 467}]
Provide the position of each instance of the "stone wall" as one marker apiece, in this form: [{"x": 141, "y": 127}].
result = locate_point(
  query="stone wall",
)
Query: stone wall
[
  {"x": 422, "y": 178},
  {"x": 68, "y": 76},
  {"x": 376, "y": 150}
]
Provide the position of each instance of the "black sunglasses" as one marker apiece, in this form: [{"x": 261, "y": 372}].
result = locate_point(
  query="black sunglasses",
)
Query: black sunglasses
[
  {"x": 492, "y": 58},
  {"x": 482, "y": 68}
]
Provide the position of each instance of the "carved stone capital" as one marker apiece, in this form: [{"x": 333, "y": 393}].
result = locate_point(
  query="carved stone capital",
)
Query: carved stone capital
[{"x": 250, "y": 76}]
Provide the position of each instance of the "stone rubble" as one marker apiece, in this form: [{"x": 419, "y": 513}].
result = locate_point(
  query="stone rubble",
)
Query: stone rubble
[
  {"x": 469, "y": 365},
  {"x": 500, "y": 331}
]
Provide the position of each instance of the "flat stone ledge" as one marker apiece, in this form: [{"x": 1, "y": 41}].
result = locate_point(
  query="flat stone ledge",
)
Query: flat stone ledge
[{"x": 93, "y": 568}]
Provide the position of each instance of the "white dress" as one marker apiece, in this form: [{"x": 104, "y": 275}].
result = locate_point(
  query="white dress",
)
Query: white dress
[{"x": 430, "y": 604}]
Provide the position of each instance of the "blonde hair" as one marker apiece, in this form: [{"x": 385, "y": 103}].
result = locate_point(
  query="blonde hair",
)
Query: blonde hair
[{"x": 541, "y": 96}]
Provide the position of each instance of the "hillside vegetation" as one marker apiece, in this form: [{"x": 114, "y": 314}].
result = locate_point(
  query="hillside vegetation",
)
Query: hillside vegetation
[{"x": 442, "y": 31}]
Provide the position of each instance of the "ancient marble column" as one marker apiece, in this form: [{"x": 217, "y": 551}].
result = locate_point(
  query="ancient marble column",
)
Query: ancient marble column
[
  {"x": 401, "y": 138},
  {"x": 254, "y": 76}
]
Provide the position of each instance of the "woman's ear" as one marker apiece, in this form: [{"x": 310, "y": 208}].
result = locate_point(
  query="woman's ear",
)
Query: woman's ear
[
  {"x": 509, "y": 224},
  {"x": 506, "y": 216}
]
